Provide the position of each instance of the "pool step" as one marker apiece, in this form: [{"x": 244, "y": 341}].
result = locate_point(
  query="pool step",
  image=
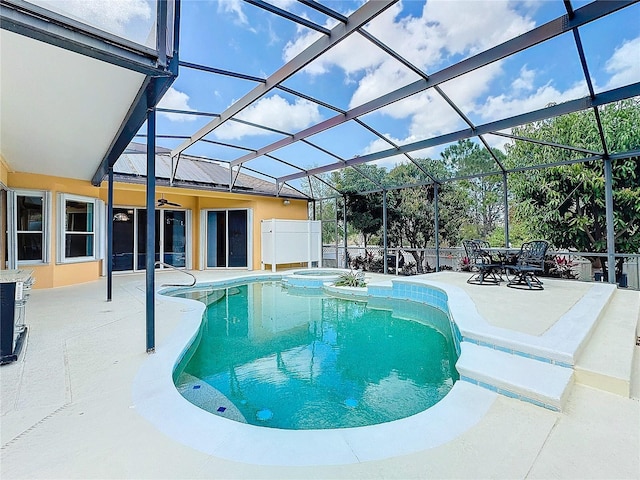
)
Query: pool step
[
  {"x": 606, "y": 362},
  {"x": 543, "y": 384}
]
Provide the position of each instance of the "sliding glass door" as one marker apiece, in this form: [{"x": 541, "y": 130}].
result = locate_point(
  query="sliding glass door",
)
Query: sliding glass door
[
  {"x": 130, "y": 234},
  {"x": 227, "y": 242},
  {"x": 123, "y": 238},
  {"x": 174, "y": 237}
]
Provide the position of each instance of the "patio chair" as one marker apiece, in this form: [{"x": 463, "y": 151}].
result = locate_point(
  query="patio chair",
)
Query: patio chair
[
  {"x": 529, "y": 261},
  {"x": 486, "y": 269}
]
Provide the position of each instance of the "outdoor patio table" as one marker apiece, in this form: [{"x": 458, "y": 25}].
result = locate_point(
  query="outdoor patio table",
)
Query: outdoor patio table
[{"x": 506, "y": 256}]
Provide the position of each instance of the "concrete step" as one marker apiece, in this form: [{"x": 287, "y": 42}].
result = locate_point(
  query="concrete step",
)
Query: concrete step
[
  {"x": 606, "y": 363},
  {"x": 540, "y": 383}
]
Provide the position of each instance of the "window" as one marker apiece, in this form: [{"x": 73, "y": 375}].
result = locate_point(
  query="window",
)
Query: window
[
  {"x": 30, "y": 231},
  {"x": 77, "y": 224},
  {"x": 28, "y": 227}
]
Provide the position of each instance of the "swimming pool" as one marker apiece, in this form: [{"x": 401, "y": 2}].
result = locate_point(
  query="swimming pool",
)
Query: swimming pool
[{"x": 293, "y": 358}]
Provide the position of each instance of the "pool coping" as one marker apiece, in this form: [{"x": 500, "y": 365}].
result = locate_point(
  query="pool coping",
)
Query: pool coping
[{"x": 155, "y": 395}]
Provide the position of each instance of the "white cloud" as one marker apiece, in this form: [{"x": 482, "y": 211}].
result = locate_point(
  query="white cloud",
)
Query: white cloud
[
  {"x": 176, "y": 100},
  {"x": 443, "y": 30},
  {"x": 233, "y": 7},
  {"x": 624, "y": 64},
  {"x": 469, "y": 27},
  {"x": 384, "y": 79},
  {"x": 431, "y": 116},
  {"x": 341, "y": 55},
  {"x": 525, "y": 81},
  {"x": 507, "y": 105},
  {"x": 274, "y": 112},
  {"x": 283, "y": 4}
]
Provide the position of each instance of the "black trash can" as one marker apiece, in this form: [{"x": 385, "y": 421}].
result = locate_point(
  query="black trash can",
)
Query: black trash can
[
  {"x": 621, "y": 280},
  {"x": 7, "y": 319}
]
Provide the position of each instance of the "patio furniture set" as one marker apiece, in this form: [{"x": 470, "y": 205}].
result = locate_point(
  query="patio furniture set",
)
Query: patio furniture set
[{"x": 491, "y": 266}]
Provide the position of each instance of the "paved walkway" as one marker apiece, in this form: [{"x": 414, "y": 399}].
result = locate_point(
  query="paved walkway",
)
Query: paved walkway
[{"x": 67, "y": 407}]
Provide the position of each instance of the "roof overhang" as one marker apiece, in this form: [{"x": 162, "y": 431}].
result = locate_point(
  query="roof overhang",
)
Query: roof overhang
[{"x": 72, "y": 96}]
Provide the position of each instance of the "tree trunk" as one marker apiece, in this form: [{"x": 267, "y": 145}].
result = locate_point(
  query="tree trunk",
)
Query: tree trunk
[{"x": 418, "y": 256}]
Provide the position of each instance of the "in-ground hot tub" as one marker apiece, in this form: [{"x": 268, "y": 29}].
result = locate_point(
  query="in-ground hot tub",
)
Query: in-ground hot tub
[{"x": 313, "y": 277}]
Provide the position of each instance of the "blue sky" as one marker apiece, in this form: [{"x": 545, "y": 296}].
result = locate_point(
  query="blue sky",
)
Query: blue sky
[{"x": 237, "y": 36}]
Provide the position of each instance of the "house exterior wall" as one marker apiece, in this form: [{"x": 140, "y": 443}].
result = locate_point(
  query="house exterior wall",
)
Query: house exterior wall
[{"x": 54, "y": 274}]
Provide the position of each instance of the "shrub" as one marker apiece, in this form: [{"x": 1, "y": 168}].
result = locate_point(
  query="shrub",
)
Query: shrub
[
  {"x": 351, "y": 279},
  {"x": 465, "y": 264}
]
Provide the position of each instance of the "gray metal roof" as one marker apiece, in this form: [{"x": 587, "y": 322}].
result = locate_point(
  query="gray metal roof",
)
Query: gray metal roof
[{"x": 193, "y": 172}]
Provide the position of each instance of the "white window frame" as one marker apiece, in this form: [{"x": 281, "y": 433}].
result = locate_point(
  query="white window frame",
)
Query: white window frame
[
  {"x": 12, "y": 226},
  {"x": 98, "y": 220}
]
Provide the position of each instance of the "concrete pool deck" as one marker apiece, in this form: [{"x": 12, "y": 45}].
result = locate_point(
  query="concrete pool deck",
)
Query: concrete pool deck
[{"x": 68, "y": 411}]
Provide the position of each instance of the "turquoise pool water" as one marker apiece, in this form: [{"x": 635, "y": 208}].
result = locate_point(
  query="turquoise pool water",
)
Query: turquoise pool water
[{"x": 294, "y": 359}]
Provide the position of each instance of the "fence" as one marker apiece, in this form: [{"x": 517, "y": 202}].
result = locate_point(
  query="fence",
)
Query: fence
[{"x": 402, "y": 261}]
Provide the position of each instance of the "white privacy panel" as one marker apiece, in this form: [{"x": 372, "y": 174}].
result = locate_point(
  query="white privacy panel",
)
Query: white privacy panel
[{"x": 290, "y": 241}]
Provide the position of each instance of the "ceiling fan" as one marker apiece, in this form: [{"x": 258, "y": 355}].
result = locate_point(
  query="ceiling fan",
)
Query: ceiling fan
[{"x": 163, "y": 201}]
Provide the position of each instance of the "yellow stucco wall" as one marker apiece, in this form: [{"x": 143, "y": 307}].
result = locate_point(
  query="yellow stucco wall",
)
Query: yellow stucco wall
[
  {"x": 133, "y": 195},
  {"x": 52, "y": 274}
]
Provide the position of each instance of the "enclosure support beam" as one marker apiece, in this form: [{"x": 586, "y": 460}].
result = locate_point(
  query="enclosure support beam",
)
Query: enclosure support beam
[
  {"x": 108, "y": 260},
  {"x": 584, "y": 15},
  {"x": 335, "y": 201},
  {"x": 360, "y": 17},
  {"x": 505, "y": 193},
  {"x": 384, "y": 231},
  {"x": 603, "y": 98},
  {"x": 608, "y": 199},
  {"x": 151, "y": 230},
  {"x": 289, "y": 16},
  {"x": 344, "y": 216},
  {"x": 436, "y": 224}
]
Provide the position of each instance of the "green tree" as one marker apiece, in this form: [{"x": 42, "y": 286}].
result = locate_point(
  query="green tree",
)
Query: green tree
[
  {"x": 364, "y": 210},
  {"x": 485, "y": 205},
  {"x": 411, "y": 210},
  {"x": 566, "y": 204}
]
